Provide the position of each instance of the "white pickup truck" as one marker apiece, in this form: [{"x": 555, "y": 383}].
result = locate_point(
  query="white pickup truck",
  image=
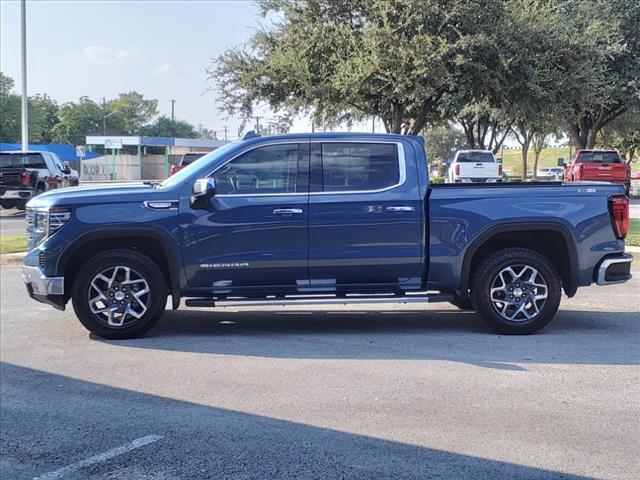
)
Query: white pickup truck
[{"x": 474, "y": 166}]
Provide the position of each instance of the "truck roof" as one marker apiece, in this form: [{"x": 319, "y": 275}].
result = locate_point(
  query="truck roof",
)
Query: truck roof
[{"x": 333, "y": 135}]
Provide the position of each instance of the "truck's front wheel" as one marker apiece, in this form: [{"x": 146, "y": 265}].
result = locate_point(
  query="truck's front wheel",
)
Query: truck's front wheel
[
  {"x": 119, "y": 294},
  {"x": 516, "y": 291}
]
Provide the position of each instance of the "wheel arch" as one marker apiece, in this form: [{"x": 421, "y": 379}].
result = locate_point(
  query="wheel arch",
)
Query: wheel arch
[
  {"x": 150, "y": 242},
  {"x": 554, "y": 240}
]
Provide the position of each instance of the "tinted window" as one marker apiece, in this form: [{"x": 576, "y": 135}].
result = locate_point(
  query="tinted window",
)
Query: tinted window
[
  {"x": 598, "y": 157},
  {"x": 270, "y": 169},
  {"x": 477, "y": 157},
  {"x": 29, "y": 160},
  {"x": 359, "y": 166}
]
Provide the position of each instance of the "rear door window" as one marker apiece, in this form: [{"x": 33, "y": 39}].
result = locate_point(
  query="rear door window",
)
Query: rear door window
[{"x": 359, "y": 166}]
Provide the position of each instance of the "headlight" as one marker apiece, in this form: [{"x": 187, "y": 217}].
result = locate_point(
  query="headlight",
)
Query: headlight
[{"x": 42, "y": 222}]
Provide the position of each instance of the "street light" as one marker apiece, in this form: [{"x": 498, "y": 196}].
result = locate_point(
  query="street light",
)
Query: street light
[{"x": 23, "y": 52}]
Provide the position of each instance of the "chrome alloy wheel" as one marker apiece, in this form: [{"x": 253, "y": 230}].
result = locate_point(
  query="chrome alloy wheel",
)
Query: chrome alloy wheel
[
  {"x": 118, "y": 296},
  {"x": 518, "y": 293}
]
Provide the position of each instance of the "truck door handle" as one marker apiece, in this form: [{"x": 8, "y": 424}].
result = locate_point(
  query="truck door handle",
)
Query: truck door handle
[
  {"x": 401, "y": 208},
  {"x": 287, "y": 211}
]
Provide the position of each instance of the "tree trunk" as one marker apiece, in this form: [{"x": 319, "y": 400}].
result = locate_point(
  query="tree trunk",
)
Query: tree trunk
[
  {"x": 536, "y": 158},
  {"x": 525, "y": 153}
]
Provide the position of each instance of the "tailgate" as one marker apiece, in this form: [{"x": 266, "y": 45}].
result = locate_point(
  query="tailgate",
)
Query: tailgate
[
  {"x": 479, "y": 169},
  {"x": 11, "y": 177},
  {"x": 607, "y": 172}
]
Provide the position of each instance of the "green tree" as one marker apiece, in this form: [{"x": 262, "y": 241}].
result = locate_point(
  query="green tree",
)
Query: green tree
[
  {"x": 77, "y": 120},
  {"x": 43, "y": 116},
  {"x": 163, "y": 126},
  {"x": 133, "y": 110},
  {"x": 442, "y": 142},
  {"x": 623, "y": 134},
  {"x": 395, "y": 59},
  {"x": 9, "y": 111},
  {"x": 600, "y": 70}
]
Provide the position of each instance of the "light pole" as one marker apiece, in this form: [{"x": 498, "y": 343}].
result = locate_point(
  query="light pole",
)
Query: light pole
[{"x": 25, "y": 98}]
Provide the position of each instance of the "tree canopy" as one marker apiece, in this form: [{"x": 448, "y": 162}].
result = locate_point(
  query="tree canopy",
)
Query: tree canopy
[{"x": 486, "y": 64}]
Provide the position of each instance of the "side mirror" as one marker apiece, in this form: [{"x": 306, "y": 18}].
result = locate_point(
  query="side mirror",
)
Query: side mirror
[
  {"x": 561, "y": 162},
  {"x": 203, "y": 190},
  {"x": 67, "y": 168}
]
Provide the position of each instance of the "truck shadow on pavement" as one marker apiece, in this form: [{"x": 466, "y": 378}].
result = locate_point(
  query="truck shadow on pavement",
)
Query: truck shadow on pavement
[
  {"x": 50, "y": 421},
  {"x": 573, "y": 337}
]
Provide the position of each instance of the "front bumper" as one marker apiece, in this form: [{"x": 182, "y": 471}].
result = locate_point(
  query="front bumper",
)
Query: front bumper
[
  {"x": 16, "y": 194},
  {"x": 49, "y": 290},
  {"x": 614, "y": 269}
]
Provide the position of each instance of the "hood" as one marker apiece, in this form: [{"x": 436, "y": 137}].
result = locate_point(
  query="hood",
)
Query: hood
[{"x": 120, "y": 193}]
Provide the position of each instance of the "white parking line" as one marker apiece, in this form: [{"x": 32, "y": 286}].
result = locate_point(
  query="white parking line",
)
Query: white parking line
[{"x": 101, "y": 457}]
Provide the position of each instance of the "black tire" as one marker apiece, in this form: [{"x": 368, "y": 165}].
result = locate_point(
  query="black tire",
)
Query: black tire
[
  {"x": 541, "y": 312},
  {"x": 21, "y": 205},
  {"x": 463, "y": 303},
  {"x": 143, "y": 267},
  {"x": 7, "y": 204}
]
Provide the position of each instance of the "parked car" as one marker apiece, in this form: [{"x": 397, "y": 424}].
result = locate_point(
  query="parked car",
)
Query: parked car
[
  {"x": 45, "y": 169},
  {"x": 551, "y": 173},
  {"x": 186, "y": 159},
  {"x": 478, "y": 166},
  {"x": 321, "y": 219},
  {"x": 602, "y": 165}
]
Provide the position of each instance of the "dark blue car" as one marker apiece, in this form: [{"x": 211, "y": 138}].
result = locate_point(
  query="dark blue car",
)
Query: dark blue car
[{"x": 327, "y": 218}]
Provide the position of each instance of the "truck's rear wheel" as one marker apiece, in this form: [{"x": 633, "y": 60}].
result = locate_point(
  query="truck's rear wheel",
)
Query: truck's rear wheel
[
  {"x": 119, "y": 294},
  {"x": 516, "y": 291}
]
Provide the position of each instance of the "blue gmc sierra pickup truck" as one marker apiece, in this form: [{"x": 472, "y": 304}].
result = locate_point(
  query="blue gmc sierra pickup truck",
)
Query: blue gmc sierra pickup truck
[{"x": 321, "y": 219}]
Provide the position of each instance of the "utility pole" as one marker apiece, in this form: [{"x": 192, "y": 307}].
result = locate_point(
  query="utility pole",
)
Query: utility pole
[
  {"x": 173, "y": 104},
  {"x": 104, "y": 116},
  {"x": 258, "y": 125},
  {"x": 225, "y": 133},
  {"x": 25, "y": 98},
  {"x": 373, "y": 124}
]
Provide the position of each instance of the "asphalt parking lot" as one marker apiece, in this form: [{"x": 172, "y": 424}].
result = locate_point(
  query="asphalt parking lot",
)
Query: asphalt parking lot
[{"x": 347, "y": 393}]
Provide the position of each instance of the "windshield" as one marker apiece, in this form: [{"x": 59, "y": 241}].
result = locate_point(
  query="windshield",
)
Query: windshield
[
  {"x": 22, "y": 160},
  {"x": 478, "y": 157},
  {"x": 189, "y": 158},
  {"x": 195, "y": 166},
  {"x": 598, "y": 157}
]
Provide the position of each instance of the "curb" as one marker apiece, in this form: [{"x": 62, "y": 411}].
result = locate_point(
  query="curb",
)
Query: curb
[{"x": 12, "y": 258}]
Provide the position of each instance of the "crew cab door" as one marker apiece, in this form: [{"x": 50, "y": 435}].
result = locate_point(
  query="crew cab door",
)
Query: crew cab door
[
  {"x": 253, "y": 233},
  {"x": 366, "y": 228}
]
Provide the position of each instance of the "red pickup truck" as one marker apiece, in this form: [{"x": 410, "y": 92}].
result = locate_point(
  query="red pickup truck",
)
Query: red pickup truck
[{"x": 602, "y": 165}]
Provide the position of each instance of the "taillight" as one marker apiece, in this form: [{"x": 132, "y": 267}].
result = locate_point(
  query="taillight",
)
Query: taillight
[
  {"x": 619, "y": 210},
  {"x": 500, "y": 170},
  {"x": 458, "y": 169},
  {"x": 26, "y": 179}
]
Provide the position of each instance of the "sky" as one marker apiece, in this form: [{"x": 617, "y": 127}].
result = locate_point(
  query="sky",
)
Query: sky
[{"x": 101, "y": 48}]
